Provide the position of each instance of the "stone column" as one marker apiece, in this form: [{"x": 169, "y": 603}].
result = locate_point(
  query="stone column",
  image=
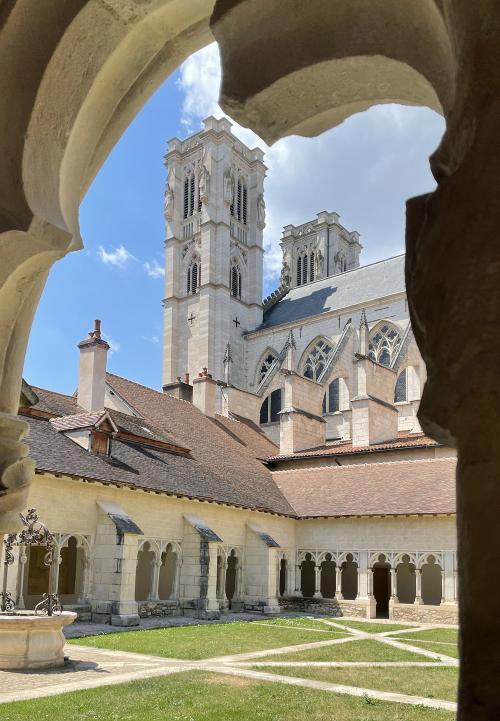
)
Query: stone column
[
  {"x": 21, "y": 574},
  {"x": 338, "y": 583},
  {"x": 394, "y": 586},
  {"x": 418, "y": 586},
  {"x": 317, "y": 582},
  {"x": 449, "y": 577},
  {"x": 298, "y": 584},
  {"x": 155, "y": 580},
  {"x": 290, "y": 579},
  {"x": 177, "y": 577}
]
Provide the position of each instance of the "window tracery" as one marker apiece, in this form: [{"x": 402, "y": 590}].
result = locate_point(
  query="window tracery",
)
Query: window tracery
[
  {"x": 266, "y": 365},
  {"x": 317, "y": 360},
  {"x": 384, "y": 344}
]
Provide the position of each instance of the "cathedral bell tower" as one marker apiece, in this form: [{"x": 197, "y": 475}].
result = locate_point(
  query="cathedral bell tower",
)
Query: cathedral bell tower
[{"x": 215, "y": 216}]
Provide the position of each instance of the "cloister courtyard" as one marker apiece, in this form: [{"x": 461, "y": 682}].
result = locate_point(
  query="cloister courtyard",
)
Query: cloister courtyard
[{"x": 292, "y": 667}]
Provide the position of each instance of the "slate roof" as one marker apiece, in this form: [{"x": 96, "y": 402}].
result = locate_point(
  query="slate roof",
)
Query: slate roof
[
  {"x": 379, "y": 489},
  {"x": 222, "y": 464},
  {"x": 354, "y": 287},
  {"x": 338, "y": 449},
  {"x": 77, "y": 421}
]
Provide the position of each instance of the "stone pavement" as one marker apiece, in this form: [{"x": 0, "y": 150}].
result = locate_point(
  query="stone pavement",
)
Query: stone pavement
[{"x": 92, "y": 667}]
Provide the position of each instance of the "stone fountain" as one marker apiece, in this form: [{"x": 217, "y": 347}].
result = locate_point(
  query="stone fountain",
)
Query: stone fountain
[{"x": 32, "y": 639}]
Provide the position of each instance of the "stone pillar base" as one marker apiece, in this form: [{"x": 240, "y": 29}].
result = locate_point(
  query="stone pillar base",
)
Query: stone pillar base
[
  {"x": 272, "y": 610},
  {"x": 371, "y": 608},
  {"x": 124, "y": 619}
]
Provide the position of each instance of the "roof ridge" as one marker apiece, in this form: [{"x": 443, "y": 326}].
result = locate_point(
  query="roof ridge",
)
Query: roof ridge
[
  {"x": 56, "y": 393},
  {"x": 406, "y": 461}
]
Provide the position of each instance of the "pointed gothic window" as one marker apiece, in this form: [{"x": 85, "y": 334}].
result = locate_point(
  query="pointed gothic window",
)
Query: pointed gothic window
[
  {"x": 304, "y": 268},
  {"x": 401, "y": 389},
  {"x": 186, "y": 198},
  {"x": 193, "y": 277},
  {"x": 311, "y": 267},
  {"x": 244, "y": 207},
  {"x": 317, "y": 360},
  {"x": 384, "y": 344},
  {"x": 191, "y": 195},
  {"x": 270, "y": 408},
  {"x": 235, "y": 282},
  {"x": 299, "y": 270},
  {"x": 265, "y": 366}
]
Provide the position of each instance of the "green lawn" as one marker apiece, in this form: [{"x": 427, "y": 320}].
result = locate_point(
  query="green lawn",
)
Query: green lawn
[
  {"x": 370, "y": 626},
  {"x": 197, "y": 642},
  {"x": 447, "y": 650},
  {"x": 351, "y": 651},
  {"x": 438, "y": 683},
  {"x": 195, "y": 696},
  {"x": 444, "y": 635},
  {"x": 310, "y": 623}
]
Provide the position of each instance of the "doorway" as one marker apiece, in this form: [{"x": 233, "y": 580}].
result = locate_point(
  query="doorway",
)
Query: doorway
[{"x": 381, "y": 590}]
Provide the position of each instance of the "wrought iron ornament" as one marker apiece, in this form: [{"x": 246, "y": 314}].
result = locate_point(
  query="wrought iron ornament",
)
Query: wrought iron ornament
[{"x": 35, "y": 533}]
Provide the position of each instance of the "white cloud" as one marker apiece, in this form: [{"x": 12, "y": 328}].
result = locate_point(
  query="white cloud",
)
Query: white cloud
[
  {"x": 154, "y": 339},
  {"x": 114, "y": 347},
  {"x": 119, "y": 257},
  {"x": 364, "y": 169},
  {"x": 154, "y": 269}
]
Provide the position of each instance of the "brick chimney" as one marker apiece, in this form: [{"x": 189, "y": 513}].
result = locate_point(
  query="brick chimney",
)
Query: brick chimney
[
  {"x": 204, "y": 393},
  {"x": 92, "y": 372},
  {"x": 180, "y": 389}
]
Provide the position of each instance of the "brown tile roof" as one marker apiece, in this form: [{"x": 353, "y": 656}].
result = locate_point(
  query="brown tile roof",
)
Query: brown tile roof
[
  {"x": 378, "y": 489},
  {"x": 224, "y": 463},
  {"x": 228, "y": 448},
  {"x": 337, "y": 449},
  {"x": 76, "y": 421}
]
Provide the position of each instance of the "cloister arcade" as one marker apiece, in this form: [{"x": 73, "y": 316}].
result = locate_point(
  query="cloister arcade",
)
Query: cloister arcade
[
  {"x": 404, "y": 577},
  {"x": 229, "y": 576},
  {"x": 158, "y": 570}
]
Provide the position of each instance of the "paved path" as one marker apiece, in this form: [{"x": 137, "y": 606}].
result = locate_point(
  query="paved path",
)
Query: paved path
[{"x": 92, "y": 667}]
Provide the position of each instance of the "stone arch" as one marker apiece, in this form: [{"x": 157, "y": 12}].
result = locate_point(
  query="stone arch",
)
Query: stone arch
[
  {"x": 381, "y": 583},
  {"x": 328, "y": 576},
  {"x": 271, "y": 406},
  {"x": 431, "y": 566},
  {"x": 169, "y": 566},
  {"x": 147, "y": 556},
  {"x": 404, "y": 565},
  {"x": 349, "y": 565},
  {"x": 307, "y": 575},
  {"x": 74, "y": 568}
]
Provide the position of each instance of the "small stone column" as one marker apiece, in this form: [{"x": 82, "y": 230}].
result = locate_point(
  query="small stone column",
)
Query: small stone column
[
  {"x": 155, "y": 580},
  {"x": 418, "y": 586},
  {"x": 290, "y": 579},
  {"x": 449, "y": 595},
  {"x": 21, "y": 574},
  {"x": 177, "y": 578},
  {"x": 394, "y": 589},
  {"x": 338, "y": 583},
  {"x": 298, "y": 574},
  {"x": 317, "y": 582}
]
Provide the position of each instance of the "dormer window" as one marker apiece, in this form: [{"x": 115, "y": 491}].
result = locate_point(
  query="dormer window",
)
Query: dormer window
[{"x": 100, "y": 443}]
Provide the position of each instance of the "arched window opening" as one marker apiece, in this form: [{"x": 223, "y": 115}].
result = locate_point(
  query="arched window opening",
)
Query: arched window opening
[
  {"x": 304, "y": 268},
  {"x": 401, "y": 389},
  {"x": 244, "y": 206},
  {"x": 282, "y": 578},
  {"x": 299, "y": 270},
  {"x": 432, "y": 582},
  {"x": 317, "y": 360},
  {"x": 307, "y": 576},
  {"x": 186, "y": 199},
  {"x": 235, "y": 281},
  {"x": 328, "y": 570},
  {"x": 238, "y": 201},
  {"x": 168, "y": 569},
  {"x": 191, "y": 195},
  {"x": 311, "y": 266},
  {"x": 271, "y": 407},
  {"x": 231, "y": 575},
  {"x": 349, "y": 578},
  {"x": 71, "y": 570},
  {"x": 193, "y": 277},
  {"x": 144, "y": 572},
  {"x": 266, "y": 365},
  {"x": 382, "y": 586},
  {"x": 384, "y": 345},
  {"x": 331, "y": 400},
  {"x": 405, "y": 580}
]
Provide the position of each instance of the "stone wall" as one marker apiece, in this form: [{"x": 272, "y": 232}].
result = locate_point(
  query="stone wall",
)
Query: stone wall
[
  {"x": 158, "y": 608},
  {"x": 446, "y": 613}
]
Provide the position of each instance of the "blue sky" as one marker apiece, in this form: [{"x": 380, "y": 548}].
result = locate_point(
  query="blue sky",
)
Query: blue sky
[{"x": 364, "y": 170}]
